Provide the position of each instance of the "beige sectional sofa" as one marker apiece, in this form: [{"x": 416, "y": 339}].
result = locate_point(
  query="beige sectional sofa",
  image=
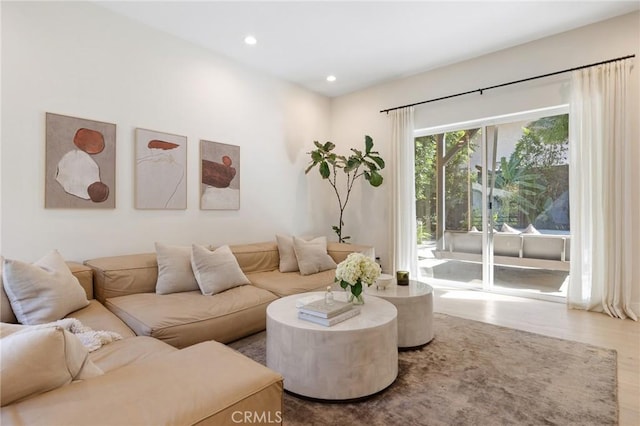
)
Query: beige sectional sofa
[
  {"x": 171, "y": 367},
  {"x": 126, "y": 286}
]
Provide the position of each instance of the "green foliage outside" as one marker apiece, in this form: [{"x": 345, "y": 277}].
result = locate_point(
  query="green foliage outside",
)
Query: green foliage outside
[{"x": 528, "y": 183}]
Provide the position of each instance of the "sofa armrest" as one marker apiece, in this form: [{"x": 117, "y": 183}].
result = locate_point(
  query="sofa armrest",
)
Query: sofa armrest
[{"x": 207, "y": 383}]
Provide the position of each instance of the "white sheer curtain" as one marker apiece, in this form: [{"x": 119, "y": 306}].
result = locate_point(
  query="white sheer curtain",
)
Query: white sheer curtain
[
  {"x": 403, "y": 202},
  {"x": 600, "y": 177}
]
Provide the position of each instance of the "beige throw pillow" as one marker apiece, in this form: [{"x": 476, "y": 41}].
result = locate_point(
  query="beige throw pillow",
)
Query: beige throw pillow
[
  {"x": 312, "y": 255},
  {"x": 6, "y": 313},
  {"x": 174, "y": 269},
  {"x": 39, "y": 359},
  {"x": 44, "y": 291},
  {"x": 216, "y": 271},
  {"x": 288, "y": 260}
]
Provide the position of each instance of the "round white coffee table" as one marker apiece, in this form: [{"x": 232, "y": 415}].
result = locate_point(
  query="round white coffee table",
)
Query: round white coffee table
[
  {"x": 415, "y": 311},
  {"x": 353, "y": 359}
]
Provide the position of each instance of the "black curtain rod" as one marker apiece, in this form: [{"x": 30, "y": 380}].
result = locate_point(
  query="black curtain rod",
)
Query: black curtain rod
[{"x": 509, "y": 83}]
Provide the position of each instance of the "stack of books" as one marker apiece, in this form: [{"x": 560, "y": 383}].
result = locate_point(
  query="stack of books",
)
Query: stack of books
[{"x": 322, "y": 313}]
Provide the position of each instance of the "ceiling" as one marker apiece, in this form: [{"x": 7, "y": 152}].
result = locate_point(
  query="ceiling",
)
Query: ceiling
[{"x": 362, "y": 43}]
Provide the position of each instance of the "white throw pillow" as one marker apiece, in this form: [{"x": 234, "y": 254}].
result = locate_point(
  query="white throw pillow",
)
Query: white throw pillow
[
  {"x": 531, "y": 230},
  {"x": 174, "y": 269},
  {"x": 44, "y": 291},
  {"x": 286, "y": 253},
  {"x": 508, "y": 229},
  {"x": 288, "y": 260},
  {"x": 216, "y": 271},
  {"x": 39, "y": 359},
  {"x": 312, "y": 255}
]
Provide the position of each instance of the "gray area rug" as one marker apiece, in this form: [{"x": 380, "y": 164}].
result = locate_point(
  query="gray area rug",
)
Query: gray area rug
[{"x": 474, "y": 373}]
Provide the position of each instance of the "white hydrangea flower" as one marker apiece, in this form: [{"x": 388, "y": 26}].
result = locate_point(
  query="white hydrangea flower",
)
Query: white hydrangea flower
[{"x": 358, "y": 266}]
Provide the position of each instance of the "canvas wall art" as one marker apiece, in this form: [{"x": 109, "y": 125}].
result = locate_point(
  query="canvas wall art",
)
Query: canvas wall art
[
  {"x": 219, "y": 176},
  {"x": 160, "y": 170},
  {"x": 80, "y": 164}
]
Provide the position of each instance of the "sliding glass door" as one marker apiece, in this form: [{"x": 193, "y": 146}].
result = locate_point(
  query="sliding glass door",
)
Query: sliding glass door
[{"x": 493, "y": 205}]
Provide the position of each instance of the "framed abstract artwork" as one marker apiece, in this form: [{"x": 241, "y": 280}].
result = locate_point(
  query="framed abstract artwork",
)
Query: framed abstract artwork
[
  {"x": 219, "y": 176},
  {"x": 80, "y": 164},
  {"x": 160, "y": 170}
]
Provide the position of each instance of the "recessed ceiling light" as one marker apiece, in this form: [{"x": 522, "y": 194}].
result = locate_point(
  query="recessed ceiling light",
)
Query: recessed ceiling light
[
  {"x": 250, "y": 40},
  {"x": 331, "y": 78}
]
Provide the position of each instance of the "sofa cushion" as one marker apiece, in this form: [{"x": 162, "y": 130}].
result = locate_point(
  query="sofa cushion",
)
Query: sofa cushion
[
  {"x": 174, "y": 269},
  {"x": 97, "y": 317},
  {"x": 10, "y": 328},
  {"x": 312, "y": 255},
  {"x": 182, "y": 319},
  {"x": 256, "y": 257},
  {"x": 217, "y": 270},
  {"x": 129, "y": 351},
  {"x": 288, "y": 283},
  {"x": 39, "y": 359},
  {"x": 44, "y": 291},
  {"x": 120, "y": 275}
]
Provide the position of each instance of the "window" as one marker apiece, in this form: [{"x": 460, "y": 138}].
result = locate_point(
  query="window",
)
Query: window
[{"x": 507, "y": 229}]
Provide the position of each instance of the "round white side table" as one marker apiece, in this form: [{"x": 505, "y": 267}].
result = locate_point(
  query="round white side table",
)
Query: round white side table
[
  {"x": 350, "y": 360},
  {"x": 415, "y": 311}
]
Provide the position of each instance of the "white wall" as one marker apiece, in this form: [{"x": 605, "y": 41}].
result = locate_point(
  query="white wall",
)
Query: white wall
[
  {"x": 358, "y": 113},
  {"x": 78, "y": 59}
]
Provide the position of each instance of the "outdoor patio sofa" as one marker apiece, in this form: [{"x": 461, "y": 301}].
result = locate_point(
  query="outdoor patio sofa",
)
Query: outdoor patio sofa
[{"x": 546, "y": 251}]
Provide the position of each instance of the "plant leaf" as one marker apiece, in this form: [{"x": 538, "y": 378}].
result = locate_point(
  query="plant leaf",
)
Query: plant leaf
[
  {"x": 329, "y": 146},
  {"x": 316, "y": 156},
  {"x": 379, "y": 161},
  {"x": 356, "y": 289},
  {"x": 368, "y": 144},
  {"x": 352, "y": 163},
  {"x": 375, "y": 179},
  {"x": 324, "y": 170},
  {"x": 318, "y": 144}
]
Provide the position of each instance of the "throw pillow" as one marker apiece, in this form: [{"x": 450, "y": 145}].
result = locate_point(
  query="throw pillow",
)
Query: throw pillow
[
  {"x": 288, "y": 261},
  {"x": 531, "y": 230},
  {"x": 39, "y": 359},
  {"x": 508, "y": 229},
  {"x": 6, "y": 313},
  {"x": 44, "y": 291},
  {"x": 174, "y": 269},
  {"x": 312, "y": 255},
  {"x": 216, "y": 271}
]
